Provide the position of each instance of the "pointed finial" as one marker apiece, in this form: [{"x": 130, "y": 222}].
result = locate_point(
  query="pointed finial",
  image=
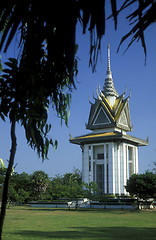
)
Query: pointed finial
[
  {"x": 109, "y": 89},
  {"x": 108, "y": 58},
  {"x": 109, "y": 73}
]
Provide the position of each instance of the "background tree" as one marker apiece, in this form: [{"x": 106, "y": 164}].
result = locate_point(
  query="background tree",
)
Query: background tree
[
  {"x": 154, "y": 168},
  {"x": 39, "y": 181},
  {"x": 67, "y": 186},
  {"x": 20, "y": 188},
  {"x": 38, "y": 186},
  {"x": 91, "y": 190},
  {"x": 142, "y": 185},
  {"x": 2, "y": 175}
]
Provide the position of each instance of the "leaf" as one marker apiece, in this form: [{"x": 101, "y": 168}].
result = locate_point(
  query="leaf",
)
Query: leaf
[
  {"x": 114, "y": 12},
  {"x": 2, "y": 116},
  {"x": 46, "y": 147},
  {"x": 13, "y": 60},
  {"x": 55, "y": 145},
  {"x": 6, "y": 70},
  {"x": 2, "y": 165},
  {"x": 143, "y": 16},
  {"x": 9, "y": 64},
  {"x": 46, "y": 128}
]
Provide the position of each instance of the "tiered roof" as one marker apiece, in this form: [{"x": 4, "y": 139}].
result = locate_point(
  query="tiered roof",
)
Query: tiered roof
[
  {"x": 109, "y": 117},
  {"x": 109, "y": 110}
]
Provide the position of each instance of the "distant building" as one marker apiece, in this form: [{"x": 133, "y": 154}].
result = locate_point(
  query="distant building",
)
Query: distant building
[{"x": 109, "y": 154}]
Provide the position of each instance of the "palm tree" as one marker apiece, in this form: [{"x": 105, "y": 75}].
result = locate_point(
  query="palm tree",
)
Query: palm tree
[{"x": 43, "y": 73}]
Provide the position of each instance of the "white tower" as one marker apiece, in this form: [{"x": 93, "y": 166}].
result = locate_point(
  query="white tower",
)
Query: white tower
[{"x": 109, "y": 154}]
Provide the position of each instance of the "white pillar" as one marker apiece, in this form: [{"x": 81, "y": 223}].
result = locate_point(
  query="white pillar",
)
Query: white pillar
[
  {"x": 85, "y": 164},
  {"x": 91, "y": 163},
  {"x": 111, "y": 168},
  {"x": 118, "y": 166},
  {"x": 105, "y": 170},
  {"x": 114, "y": 168},
  {"x": 136, "y": 160},
  {"x": 122, "y": 183},
  {"x": 125, "y": 165}
]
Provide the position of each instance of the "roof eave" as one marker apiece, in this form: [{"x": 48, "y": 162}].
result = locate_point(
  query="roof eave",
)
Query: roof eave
[{"x": 88, "y": 139}]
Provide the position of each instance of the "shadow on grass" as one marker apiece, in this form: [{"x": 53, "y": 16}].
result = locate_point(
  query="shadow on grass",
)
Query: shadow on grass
[
  {"x": 109, "y": 233},
  {"x": 92, "y": 210}
]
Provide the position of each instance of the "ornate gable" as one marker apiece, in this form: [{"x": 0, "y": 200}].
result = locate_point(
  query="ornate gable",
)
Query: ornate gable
[
  {"x": 101, "y": 118},
  {"x": 123, "y": 119},
  {"x": 102, "y": 115},
  {"x": 123, "y": 116}
]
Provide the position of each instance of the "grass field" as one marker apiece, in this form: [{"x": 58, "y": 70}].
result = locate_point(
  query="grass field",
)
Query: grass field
[{"x": 23, "y": 223}]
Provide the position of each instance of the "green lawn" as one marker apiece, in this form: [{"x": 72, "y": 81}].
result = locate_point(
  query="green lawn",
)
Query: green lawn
[{"x": 34, "y": 224}]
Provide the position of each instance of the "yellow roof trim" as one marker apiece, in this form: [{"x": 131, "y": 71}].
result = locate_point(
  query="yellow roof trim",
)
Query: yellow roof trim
[
  {"x": 119, "y": 111},
  {"x": 110, "y": 114},
  {"x": 97, "y": 135},
  {"x": 108, "y": 103},
  {"x": 116, "y": 103}
]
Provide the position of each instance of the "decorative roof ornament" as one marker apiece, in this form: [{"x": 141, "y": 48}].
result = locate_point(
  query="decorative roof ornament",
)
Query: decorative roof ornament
[
  {"x": 109, "y": 73},
  {"x": 109, "y": 89}
]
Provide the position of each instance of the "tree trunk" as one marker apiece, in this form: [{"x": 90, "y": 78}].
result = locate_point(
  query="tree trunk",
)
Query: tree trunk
[{"x": 8, "y": 174}]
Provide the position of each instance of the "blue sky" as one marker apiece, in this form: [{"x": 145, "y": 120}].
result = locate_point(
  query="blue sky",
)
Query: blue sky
[{"x": 129, "y": 73}]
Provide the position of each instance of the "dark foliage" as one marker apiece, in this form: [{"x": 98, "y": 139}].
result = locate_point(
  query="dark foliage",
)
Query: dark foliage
[{"x": 142, "y": 185}]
